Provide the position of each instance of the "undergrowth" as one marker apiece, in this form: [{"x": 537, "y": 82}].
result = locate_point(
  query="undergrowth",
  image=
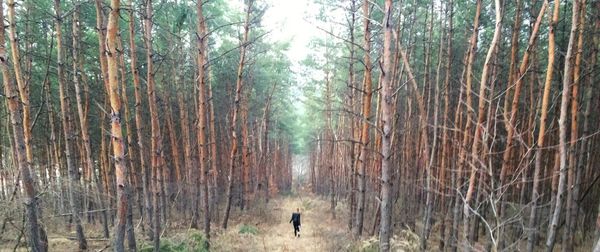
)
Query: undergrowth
[
  {"x": 248, "y": 229},
  {"x": 406, "y": 240},
  {"x": 190, "y": 241},
  {"x": 287, "y": 193},
  {"x": 307, "y": 204}
]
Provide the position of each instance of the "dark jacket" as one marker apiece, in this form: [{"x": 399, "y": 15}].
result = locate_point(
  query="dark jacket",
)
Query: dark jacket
[{"x": 295, "y": 219}]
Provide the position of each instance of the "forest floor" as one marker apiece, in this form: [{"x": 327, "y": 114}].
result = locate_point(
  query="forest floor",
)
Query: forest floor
[
  {"x": 319, "y": 231},
  {"x": 261, "y": 228}
]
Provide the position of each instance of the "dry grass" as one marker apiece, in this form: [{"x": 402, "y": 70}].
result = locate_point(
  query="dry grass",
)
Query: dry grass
[
  {"x": 262, "y": 228},
  {"x": 319, "y": 232}
]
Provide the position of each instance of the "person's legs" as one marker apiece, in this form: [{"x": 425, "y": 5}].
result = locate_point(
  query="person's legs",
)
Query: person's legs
[{"x": 295, "y": 230}]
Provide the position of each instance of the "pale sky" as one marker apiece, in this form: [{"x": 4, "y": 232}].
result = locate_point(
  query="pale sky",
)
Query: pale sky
[
  {"x": 294, "y": 21},
  {"x": 286, "y": 21}
]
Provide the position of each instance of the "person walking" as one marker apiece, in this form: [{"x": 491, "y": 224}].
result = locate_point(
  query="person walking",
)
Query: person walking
[{"x": 296, "y": 222}]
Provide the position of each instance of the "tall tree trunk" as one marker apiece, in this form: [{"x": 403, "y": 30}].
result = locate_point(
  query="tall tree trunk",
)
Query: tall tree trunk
[
  {"x": 82, "y": 113},
  {"x": 23, "y": 87},
  {"x": 101, "y": 29},
  {"x": 262, "y": 185},
  {"x": 139, "y": 126},
  {"x": 246, "y": 189},
  {"x": 423, "y": 137},
  {"x": 56, "y": 164},
  {"x": 187, "y": 150},
  {"x": 156, "y": 152},
  {"x": 329, "y": 135},
  {"x": 586, "y": 147},
  {"x": 535, "y": 195},
  {"x": 103, "y": 175},
  {"x": 214, "y": 173},
  {"x": 562, "y": 124},
  {"x": 238, "y": 93},
  {"x": 118, "y": 143},
  {"x": 201, "y": 43},
  {"x": 514, "y": 54},
  {"x": 512, "y": 119},
  {"x": 462, "y": 156},
  {"x": 479, "y": 128},
  {"x": 353, "y": 128},
  {"x": 366, "y": 111},
  {"x": 132, "y": 179},
  {"x": 445, "y": 144},
  {"x": 386, "y": 118},
  {"x": 65, "y": 107},
  {"x": 429, "y": 200},
  {"x": 175, "y": 150},
  {"x": 572, "y": 186}
]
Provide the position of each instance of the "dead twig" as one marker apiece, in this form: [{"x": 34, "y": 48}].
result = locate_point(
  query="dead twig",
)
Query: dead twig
[{"x": 105, "y": 247}]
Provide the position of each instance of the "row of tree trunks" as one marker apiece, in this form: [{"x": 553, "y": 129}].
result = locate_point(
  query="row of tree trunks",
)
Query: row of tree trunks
[
  {"x": 444, "y": 162},
  {"x": 511, "y": 126},
  {"x": 37, "y": 238},
  {"x": 234, "y": 118},
  {"x": 500, "y": 168},
  {"x": 68, "y": 133},
  {"x": 262, "y": 174},
  {"x": 574, "y": 173},
  {"x": 462, "y": 156},
  {"x": 157, "y": 161},
  {"x": 563, "y": 147},
  {"x": 76, "y": 164},
  {"x": 479, "y": 128},
  {"x": 503, "y": 159},
  {"x": 535, "y": 194},
  {"x": 139, "y": 125}
]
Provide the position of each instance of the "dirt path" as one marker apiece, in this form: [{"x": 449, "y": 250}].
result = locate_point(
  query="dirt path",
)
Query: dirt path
[
  {"x": 319, "y": 232},
  {"x": 316, "y": 224}
]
